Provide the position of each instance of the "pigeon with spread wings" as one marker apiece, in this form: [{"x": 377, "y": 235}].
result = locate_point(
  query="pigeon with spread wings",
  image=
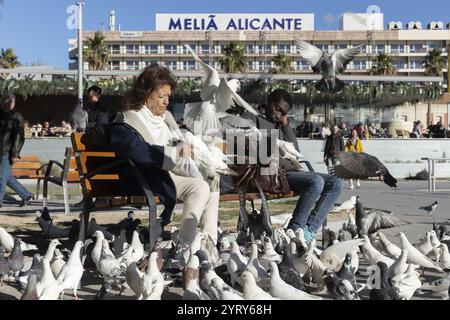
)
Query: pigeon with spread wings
[
  {"x": 329, "y": 66},
  {"x": 218, "y": 96},
  {"x": 352, "y": 165}
]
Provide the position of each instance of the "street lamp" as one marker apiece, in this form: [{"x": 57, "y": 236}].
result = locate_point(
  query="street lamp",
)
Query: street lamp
[{"x": 80, "y": 51}]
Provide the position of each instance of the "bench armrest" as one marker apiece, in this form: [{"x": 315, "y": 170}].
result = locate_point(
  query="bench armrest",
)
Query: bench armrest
[
  {"x": 49, "y": 166},
  {"x": 308, "y": 164}
]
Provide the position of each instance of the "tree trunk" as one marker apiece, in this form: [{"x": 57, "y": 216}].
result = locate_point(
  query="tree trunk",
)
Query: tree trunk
[{"x": 429, "y": 120}]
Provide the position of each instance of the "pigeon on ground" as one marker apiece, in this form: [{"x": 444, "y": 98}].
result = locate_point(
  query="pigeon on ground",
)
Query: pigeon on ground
[
  {"x": 372, "y": 255},
  {"x": 280, "y": 289},
  {"x": 30, "y": 292},
  {"x": 48, "y": 288},
  {"x": 430, "y": 209},
  {"x": 388, "y": 246},
  {"x": 72, "y": 272},
  {"x": 251, "y": 290},
  {"x": 136, "y": 247},
  {"x": 439, "y": 287},
  {"x": 415, "y": 256},
  {"x": 342, "y": 237},
  {"x": 152, "y": 282},
  {"x": 109, "y": 266},
  {"x": 383, "y": 290},
  {"x": 370, "y": 221},
  {"x": 329, "y": 66},
  {"x": 49, "y": 229},
  {"x": 57, "y": 263},
  {"x": 328, "y": 237},
  {"x": 400, "y": 265},
  {"x": 36, "y": 268},
  {"x": 4, "y": 266},
  {"x": 133, "y": 275},
  {"x": 334, "y": 256},
  {"x": 445, "y": 258},
  {"x": 345, "y": 206},
  {"x": 97, "y": 250},
  {"x": 225, "y": 292},
  {"x": 425, "y": 246},
  {"x": 120, "y": 243},
  {"x": 341, "y": 289},
  {"x": 313, "y": 264},
  {"x": 236, "y": 264},
  {"x": 351, "y": 226},
  {"x": 94, "y": 226},
  {"x": 191, "y": 274},
  {"x": 15, "y": 259},
  {"x": 269, "y": 255},
  {"x": 347, "y": 271},
  {"x": 105, "y": 292},
  {"x": 407, "y": 283},
  {"x": 288, "y": 272},
  {"x": 7, "y": 241},
  {"x": 254, "y": 266},
  {"x": 352, "y": 165},
  {"x": 51, "y": 249}
]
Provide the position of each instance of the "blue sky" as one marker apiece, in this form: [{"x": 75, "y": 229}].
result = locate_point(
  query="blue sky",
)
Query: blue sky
[{"x": 36, "y": 29}]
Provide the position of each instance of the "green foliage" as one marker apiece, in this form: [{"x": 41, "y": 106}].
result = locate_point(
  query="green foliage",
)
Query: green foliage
[
  {"x": 434, "y": 63},
  {"x": 234, "y": 59},
  {"x": 383, "y": 66},
  {"x": 96, "y": 52}
]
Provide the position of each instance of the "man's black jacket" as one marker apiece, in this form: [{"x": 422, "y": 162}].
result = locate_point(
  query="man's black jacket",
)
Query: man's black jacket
[{"x": 12, "y": 135}]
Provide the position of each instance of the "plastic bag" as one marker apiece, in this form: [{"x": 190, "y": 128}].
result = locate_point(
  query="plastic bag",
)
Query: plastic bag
[{"x": 186, "y": 167}]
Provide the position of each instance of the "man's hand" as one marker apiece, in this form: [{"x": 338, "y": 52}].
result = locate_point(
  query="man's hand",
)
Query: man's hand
[
  {"x": 284, "y": 120},
  {"x": 185, "y": 150},
  {"x": 14, "y": 160}
]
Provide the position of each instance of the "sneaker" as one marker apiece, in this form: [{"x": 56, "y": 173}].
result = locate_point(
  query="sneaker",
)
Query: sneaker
[{"x": 308, "y": 235}]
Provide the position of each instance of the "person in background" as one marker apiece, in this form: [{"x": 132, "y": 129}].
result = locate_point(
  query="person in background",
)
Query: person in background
[
  {"x": 97, "y": 112},
  {"x": 11, "y": 143},
  {"x": 372, "y": 130},
  {"x": 359, "y": 129},
  {"x": 354, "y": 144},
  {"x": 325, "y": 132},
  {"x": 46, "y": 130},
  {"x": 28, "y": 131},
  {"x": 344, "y": 130},
  {"x": 333, "y": 145}
]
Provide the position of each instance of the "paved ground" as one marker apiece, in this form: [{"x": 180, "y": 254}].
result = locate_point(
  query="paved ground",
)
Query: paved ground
[{"x": 403, "y": 201}]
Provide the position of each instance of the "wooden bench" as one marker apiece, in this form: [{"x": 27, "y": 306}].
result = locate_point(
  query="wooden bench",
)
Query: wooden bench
[
  {"x": 29, "y": 167},
  {"x": 98, "y": 170},
  {"x": 68, "y": 175}
]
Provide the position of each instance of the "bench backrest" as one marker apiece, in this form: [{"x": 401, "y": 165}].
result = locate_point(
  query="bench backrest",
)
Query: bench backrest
[
  {"x": 93, "y": 151},
  {"x": 70, "y": 171},
  {"x": 27, "y": 167}
]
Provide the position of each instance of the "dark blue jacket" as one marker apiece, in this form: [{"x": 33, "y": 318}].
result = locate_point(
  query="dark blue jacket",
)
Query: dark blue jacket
[{"x": 127, "y": 143}]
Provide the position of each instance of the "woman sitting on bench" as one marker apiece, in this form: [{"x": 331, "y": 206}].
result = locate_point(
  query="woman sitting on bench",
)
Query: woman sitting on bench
[{"x": 145, "y": 134}]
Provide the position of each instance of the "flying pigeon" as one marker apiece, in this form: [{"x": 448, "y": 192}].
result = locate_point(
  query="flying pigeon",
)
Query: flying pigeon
[
  {"x": 353, "y": 165},
  {"x": 371, "y": 221},
  {"x": 329, "y": 66},
  {"x": 430, "y": 209}
]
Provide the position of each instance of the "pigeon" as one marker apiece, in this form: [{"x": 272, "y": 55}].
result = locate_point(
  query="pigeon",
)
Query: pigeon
[
  {"x": 269, "y": 255},
  {"x": 400, "y": 265},
  {"x": 383, "y": 289},
  {"x": 120, "y": 243},
  {"x": 93, "y": 226},
  {"x": 430, "y": 209},
  {"x": 15, "y": 259},
  {"x": 7, "y": 241},
  {"x": 345, "y": 206},
  {"x": 225, "y": 293},
  {"x": 36, "y": 268},
  {"x": 439, "y": 287},
  {"x": 236, "y": 264},
  {"x": 341, "y": 289},
  {"x": 425, "y": 246},
  {"x": 347, "y": 271},
  {"x": 49, "y": 229},
  {"x": 254, "y": 266},
  {"x": 251, "y": 291},
  {"x": 31, "y": 292},
  {"x": 415, "y": 256},
  {"x": 334, "y": 256},
  {"x": 352, "y": 165},
  {"x": 72, "y": 272},
  {"x": 51, "y": 249},
  {"x": 351, "y": 226},
  {"x": 280, "y": 289},
  {"x": 4, "y": 266},
  {"x": 191, "y": 286},
  {"x": 287, "y": 151},
  {"x": 57, "y": 263},
  {"x": 371, "y": 221},
  {"x": 329, "y": 66},
  {"x": 406, "y": 283},
  {"x": 108, "y": 265},
  {"x": 445, "y": 258},
  {"x": 78, "y": 118},
  {"x": 133, "y": 275},
  {"x": 105, "y": 292},
  {"x": 97, "y": 250},
  {"x": 388, "y": 246},
  {"x": 372, "y": 255},
  {"x": 328, "y": 237},
  {"x": 48, "y": 288},
  {"x": 342, "y": 236},
  {"x": 313, "y": 265},
  {"x": 288, "y": 272},
  {"x": 152, "y": 282},
  {"x": 136, "y": 247}
]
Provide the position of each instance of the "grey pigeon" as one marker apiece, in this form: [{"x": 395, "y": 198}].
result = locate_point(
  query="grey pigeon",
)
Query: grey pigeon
[
  {"x": 383, "y": 289},
  {"x": 93, "y": 226},
  {"x": 341, "y": 289},
  {"x": 329, "y": 66},
  {"x": 353, "y": 165},
  {"x": 328, "y": 237},
  {"x": 78, "y": 118},
  {"x": 36, "y": 268},
  {"x": 347, "y": 271},
  {"x": 4, "y": 266},
  {"x": 430, "y": 209},
  {"x": 371, "y": 221},
  {"x": 105, "y": 292},
  {"x": 288, "y": 272},
  {"x": 31, "y": 292},
  {"x": 15, "y": 259}
]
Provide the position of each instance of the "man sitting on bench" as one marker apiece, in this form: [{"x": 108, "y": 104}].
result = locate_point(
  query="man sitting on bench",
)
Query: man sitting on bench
[{"x": 318, "y": 191}]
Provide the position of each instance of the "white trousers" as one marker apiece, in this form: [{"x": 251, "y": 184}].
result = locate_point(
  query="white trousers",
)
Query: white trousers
[{"x": 199, "y": 205}]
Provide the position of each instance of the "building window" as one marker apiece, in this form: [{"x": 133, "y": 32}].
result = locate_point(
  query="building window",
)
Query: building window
[
  {"x": 284, "y": 48},
  {"x": 265, "y": 49},
  {"x": 359, "y": 65},
  {"x": 397, "y": 48},
  {"x": 114, "y": 65},
  {"x": 340, "y": 46},
  {"x": 171, "y": 49},
  {"x": 219, "y": 49},
  {"x": 189, "y": 65},
  {"x": 251, "y": 49},
  {"x": 434, "y": 45},
  {"x": 417, "y": 48},
  {"x": 171, "y": 65},
  {"x": 114, "y": 49},
  {"x": 251, "y": 65},
  {"x": 132, "y": 49},
  {"x": 416, "y": 64},
  {"x": 133, "y": 65},
  {"x": 323, "y": 46},
  {"x": 363, "y": 48},
  {"x": 399, "y": 64},
  {"x": 205, "y": 49},
  {"x": 151, "y": 49},
  {"x": 149, "y": 62},
  {"x": 264, "y": 65},
  {"x": 379, "y": 48},
  {"x": 302, "y": 65},
  {"x": 185, "y": 50}
]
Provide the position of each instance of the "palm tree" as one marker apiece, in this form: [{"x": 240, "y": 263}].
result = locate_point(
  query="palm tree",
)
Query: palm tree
[
  {"x": 282, "y": 64},
  {"x": 434, "y": 63},
  {"x": 383, "y": 66},
  {"x": 234, "y": 59},
  {"x": 8, "y": 59},
  {"x": 96, "y": 52}
]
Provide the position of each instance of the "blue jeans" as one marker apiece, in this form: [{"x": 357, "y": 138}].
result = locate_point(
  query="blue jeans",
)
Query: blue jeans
[
  {"x": 318, "y": 194},
  {"x": 6, "y": 178}
]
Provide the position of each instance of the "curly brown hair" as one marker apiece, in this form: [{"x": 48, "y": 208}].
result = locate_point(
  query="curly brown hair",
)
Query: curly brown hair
[{"x": 151, "y": 78}]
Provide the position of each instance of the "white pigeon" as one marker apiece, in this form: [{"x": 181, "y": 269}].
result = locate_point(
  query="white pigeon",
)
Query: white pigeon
[
  {"x": 388, "y": 246},
  {"x": 51, "y": 249},
  {"x": 224, "y": 291},
  {"x": 415, "y": 256},
  {"x": 407, "y": 283},
  {"x": 287, "y": 151},
  {"x": 152, "y": 282},
  {"x": 136, "y": 247},
  {"x": 439, "y": 287},
  {"x": 120, "y": 244},
  {"x": 133, "y": 276},
  {"x": 333, "y": 257},
  {"x": 108, "y": 265},
  {"x": 445, "y": 257},
  {"x": 372, "y": 255},
  {"x": 47, "y": 288},
  {"x": 209, "y": 247},
  {"x": 310, "y": 262},
  {"x": 280, "y": 289},
  {"x": 425, "y": 246},
  {"x": 251, "y": 291},
  {"x": 196, "y": 245},
  {"x": 269, "y": 255},
  {"x": 97, "y": 250},
  {"x": 254, "y": 266},
  {"x": 346, "y": 205},
  {"x": 192, "y": 289},
  {"x": 236, "y": 264},
  {"x": 72, "y": 272},
  {"x": 7, "y": 241},
  {"x": 57, "y": 263},
  {"x": 400, "y": 265}
]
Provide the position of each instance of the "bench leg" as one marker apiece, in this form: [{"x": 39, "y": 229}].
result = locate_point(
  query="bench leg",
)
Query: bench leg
[
  {"x": 66, "y": 198},
  {"x": 45, "y": 193},
  {"x": 38, "y": 189},
  {"x": 155, "y": 228},
  {"x": 84, "y": 220}
]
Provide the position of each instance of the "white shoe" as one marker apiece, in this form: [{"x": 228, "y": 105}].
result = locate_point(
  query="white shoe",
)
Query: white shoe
[
  {"x": 358, "y": 185},
  {"x": 352, "y": 187}
]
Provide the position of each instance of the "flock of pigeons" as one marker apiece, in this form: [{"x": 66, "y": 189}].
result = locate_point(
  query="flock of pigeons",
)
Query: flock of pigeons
[{"x": 283, "y": 266}]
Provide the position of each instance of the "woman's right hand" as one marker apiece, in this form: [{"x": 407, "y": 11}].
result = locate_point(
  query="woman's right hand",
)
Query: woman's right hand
[{"x": 185, "y": 150}]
